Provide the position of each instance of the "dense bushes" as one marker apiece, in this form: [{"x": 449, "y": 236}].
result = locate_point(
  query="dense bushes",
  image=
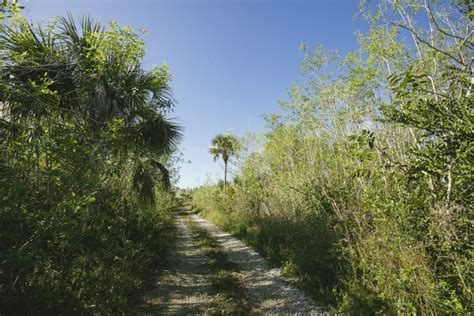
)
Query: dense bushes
[
  {"x": 84, "y": 219},
  {"x": 362, "y": 190},
  {"x": 88, "y": 253}
]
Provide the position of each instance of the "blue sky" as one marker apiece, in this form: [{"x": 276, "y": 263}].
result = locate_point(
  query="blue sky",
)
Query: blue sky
[{"x": 231, "y": 60}]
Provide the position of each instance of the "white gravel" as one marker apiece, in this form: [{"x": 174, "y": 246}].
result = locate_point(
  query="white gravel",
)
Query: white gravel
[
  {"x": 183, "y": 288},
  {"x": 268, "y": 292}
]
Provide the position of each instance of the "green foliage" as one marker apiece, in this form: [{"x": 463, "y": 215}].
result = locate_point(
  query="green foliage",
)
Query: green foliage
[
  {"x": 224, "y": 146},
  {"x": 84, "y": 149},
  {"x": 362, "y": 191}
]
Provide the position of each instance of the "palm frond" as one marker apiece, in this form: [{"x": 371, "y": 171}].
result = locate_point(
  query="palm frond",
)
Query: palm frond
[
  {"x": 143, "y": 184},
  {"x": 76, "y": 39},
  {"x": 165, "y": 175},
  {"x": 143, "y": 180},
  {"x": 224, "y": 145},
  {"x": 215, "y": 152},
  {"x": 158, "y": 134}
]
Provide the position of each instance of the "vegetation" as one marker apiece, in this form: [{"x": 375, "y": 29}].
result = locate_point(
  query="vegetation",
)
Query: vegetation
[
  {"x": 224, "y": 146},
  {"x": 85, "y": 151},
  {"x": 362, "y": 190}
]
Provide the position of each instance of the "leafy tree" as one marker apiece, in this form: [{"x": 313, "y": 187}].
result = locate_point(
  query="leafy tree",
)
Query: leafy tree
[
  {"x": 86, "y": 75},
  {"x": 224, "y": 146},
  {"x": 85, "y": 149}
]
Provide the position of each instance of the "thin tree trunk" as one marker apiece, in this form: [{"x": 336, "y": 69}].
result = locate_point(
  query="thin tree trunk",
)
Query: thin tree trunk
[{"x": 225, "y": 174}]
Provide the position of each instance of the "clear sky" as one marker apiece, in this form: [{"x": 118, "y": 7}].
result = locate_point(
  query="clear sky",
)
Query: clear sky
[{"x": 231, "y": 60}]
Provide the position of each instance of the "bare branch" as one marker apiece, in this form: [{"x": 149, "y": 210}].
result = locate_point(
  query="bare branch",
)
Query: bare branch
[
  {"x": 433, "y": 19},
  {"x": 423, "y": 41}
]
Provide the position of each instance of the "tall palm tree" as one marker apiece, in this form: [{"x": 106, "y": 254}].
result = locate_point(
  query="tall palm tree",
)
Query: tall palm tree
[{"x": 225, "y": 146}]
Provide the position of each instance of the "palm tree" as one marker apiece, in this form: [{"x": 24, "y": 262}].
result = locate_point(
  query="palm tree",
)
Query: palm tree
[
  {"x": 96, "y": 83},
  {"x": 225, "y": 146}
]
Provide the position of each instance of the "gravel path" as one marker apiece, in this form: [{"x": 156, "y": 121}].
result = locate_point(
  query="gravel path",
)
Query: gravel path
[
  {"x": 268, "y": 291},
  {"x": 182, "y": 289}
]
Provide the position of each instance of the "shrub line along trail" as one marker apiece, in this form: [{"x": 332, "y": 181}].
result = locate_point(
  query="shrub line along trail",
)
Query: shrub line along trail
[{"x": 184, "y": 288}]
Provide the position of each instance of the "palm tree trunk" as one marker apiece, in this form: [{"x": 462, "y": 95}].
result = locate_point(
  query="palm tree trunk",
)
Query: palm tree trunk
[{"x": 225, "y": 174}]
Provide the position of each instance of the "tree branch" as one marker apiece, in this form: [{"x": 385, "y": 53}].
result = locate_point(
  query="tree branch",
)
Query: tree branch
[{"x": 423, "y": 41}]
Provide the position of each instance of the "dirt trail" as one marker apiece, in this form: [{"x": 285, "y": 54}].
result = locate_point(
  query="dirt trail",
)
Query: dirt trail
[
  {"x": 267, "y": 290},
  {"x": 183, "y": 289}
]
